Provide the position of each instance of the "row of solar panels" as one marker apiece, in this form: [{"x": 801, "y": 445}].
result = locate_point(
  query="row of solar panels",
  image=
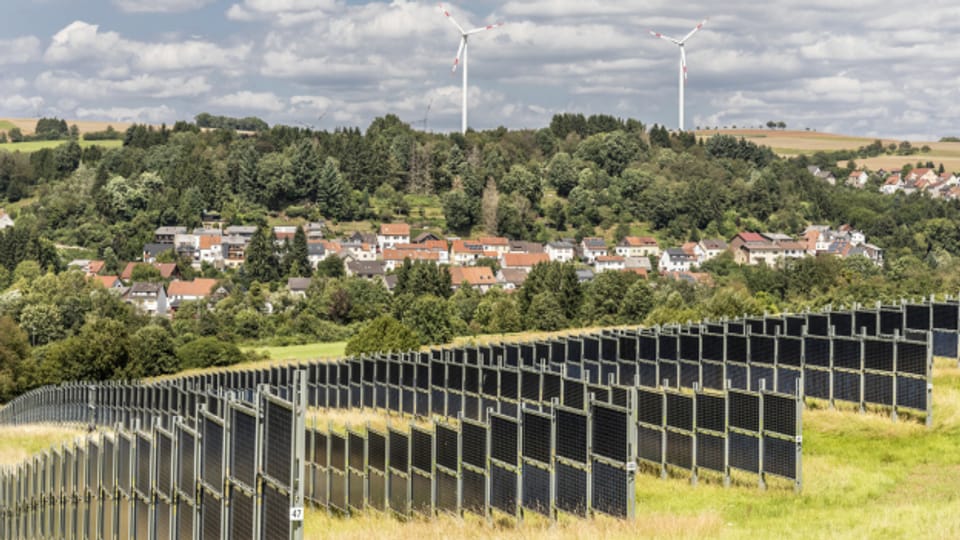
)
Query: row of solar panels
[{"x": 229, "y": 475}]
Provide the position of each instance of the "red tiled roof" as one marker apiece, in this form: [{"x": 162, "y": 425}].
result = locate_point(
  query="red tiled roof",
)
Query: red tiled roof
[
  {"x": 95, "y": 267},
  {"x": 395, "y": 229},
  {"x": 494, "y": 241},
  {"x": 523, "y": 260},
  {"x": 752, "y": 237},
  {"x": 640, "y": 241},
  {"x": 107, "y": 281},
  {"x": 166, "y": 269},
  {"x": 466, "y": 246},
  {"x": 610, "y": 258},
  {"x": 200, "y": 287},
  {"x": 403, "y": 254},
  {"x": 473, "y": 275},
  {"x": 208, "y": 241}
]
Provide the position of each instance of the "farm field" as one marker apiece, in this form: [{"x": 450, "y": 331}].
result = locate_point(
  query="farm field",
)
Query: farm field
[
  {"x": 28, "y": 125},
  {"x": 792, "y": 143},
  {"x": 304, "y": 352},
  {"x": 864, "y": 477},
  {"x": 33, "y": 146}
]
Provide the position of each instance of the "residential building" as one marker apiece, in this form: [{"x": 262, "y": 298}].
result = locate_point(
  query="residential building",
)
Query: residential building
[
  {"x": 521, "y": 246},
  {"x": 109, "y": 282},
  {"x": 560, "y": 251},
  {"x": 243, "y": 231},
  {"x": 284, "y": 233},
  {"x": 638, "y": 246},
  {"x": 210, "y": 250},
  {"x": 591, "y": 248},
  {"x": 638, "y": 263},
  {"x": 315, "y": 230},
  {"x": 298, "y": 286},
  {"x": 676, "y": 260},
  {"x": 495, "y": 244},
  {"x": 366, "y": 269},
  {"x": 892, "y": 184},
  {"x": 234, "y": 250},
  {"x": 188, "y": 291},
  {"x": 150, "y": 298},
  {"x": 523, "y": 261},
  {"x": 392, "y": 258},
  {"x": 606, "y": 263},
  {"x": 392, "y": 234},
  {"x": 316, "y": 252},
  {"x": 438, "y": 247},
  {"x": 709, "y": 249},
  {"x": 466, "y": 252},
  {"x": 167, "y": 235},
  {"x": 88, "y": 267},
  {"x": 511, "y": 278},
  {"x": 826, "y": 176},
  {"x": 426, "y": 237},
  {"x": 585, "y": 275},
  {"x": 5, "y": 220},
  {"x": 167, "y": 270},
  {"x": 478, "y": 277},
  {"x": 858, "y": 179},
  {"x": 152, "y": 251}
]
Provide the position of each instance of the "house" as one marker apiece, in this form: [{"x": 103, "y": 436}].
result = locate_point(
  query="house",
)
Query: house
[
  {"x": 426, "y": 237},
  {"x": 520, "y": 246},
  {"x": 605, "y": 263},
  {"x": 167, "y": 270},
  {"x": 523, "y": 261},
  {"x": 243, "y": 231},
  {"x": 167, "y": 235},
  {"x": 298, "y": 286},
  {"x": 315, "y": 230},
  {"x": 109, "y": 282},
  {"x": 366, "y": 269},
  {"x": 392, "y": 258},
  {"x": 188, "y": 291},
  {"x": 209, "y": 250},
  {"x": 152, "y": 251},
  {"x": 316, "y": 252},
  {"x": 433, "y": 246},
  {"x": 676, "y": 260},
  {"x": 392, "y": 234},
  {"x": 560, "y": 251},
  {"x": 709, "y": 249},
  {"x": 233, "y": 250},
  {"x": 746, "y": 238},
  {"x": 495, "y": 244},
  {"x": 591, "y": 248},
  {"x": 360, "y": 252},
  {"x": 821, "y": 174},
  {"x": 869, "y": 251},
  {"x": 921, "y": 175},
  {"x": 284, "y": 233},
  {"x": 90, "y": 268},
  {"x": 637, "y": 263},
  {"x": 638, "y": 246},
  {"x": 585, "y": 275},
  {"x": 892, "y": 184},
  {"x": 466, "y": 252},
  {"x": 694, "y": 278},
  {"x": 150, "y": 298},
  {"x": 478, "y": 277},
  {"x": 858, "y": 179},
  {"x": 362, "y": 238},
  {"x": 511, "y": 278},
  {"x": 5, "y": 220}
]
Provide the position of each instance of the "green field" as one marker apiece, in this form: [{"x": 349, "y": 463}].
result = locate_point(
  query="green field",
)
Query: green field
[
  {"x": 6, "y": 125},
  {"x": 303, "y": 352},
  {"x": 33, "y": 146},
  {"x": 864, "y": 477},
  {"x": 18, "y": 443}
]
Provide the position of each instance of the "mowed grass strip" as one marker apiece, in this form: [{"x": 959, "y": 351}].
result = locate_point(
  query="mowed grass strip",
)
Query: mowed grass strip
[{"x": 865, "y": 476}]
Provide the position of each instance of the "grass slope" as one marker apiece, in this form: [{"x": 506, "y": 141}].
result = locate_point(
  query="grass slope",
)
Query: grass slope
[
  {"x": 304, "y": 352},
  {"x": 33, "y": 146},
  {"x": 19, "y": 443},
  {"x": 865, "y": 477}
]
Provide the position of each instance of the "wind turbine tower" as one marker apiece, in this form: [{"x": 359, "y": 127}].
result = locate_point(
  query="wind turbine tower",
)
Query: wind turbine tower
[
  {"x": 683, "y": 60},
  {"x": 462, "y": 53}
]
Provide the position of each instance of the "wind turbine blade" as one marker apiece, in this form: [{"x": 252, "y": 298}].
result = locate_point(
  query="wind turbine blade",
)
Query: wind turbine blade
[
  {"x": 451, "y": 19},
  {"x": 663, "y": 37},
  {"x": 484, "y": 28},
  {"x": 683, "y": 63},
  {"x": 694, "y": 31},
  {"x": 456, "y": 61}
]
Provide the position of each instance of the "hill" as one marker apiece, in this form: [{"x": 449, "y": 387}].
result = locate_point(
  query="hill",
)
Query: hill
[
  {"x": 793, "y": 143},
  {"x": 28, "y": 125}
]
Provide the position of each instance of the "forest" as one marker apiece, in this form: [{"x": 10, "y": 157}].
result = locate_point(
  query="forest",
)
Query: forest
[{"x": 580, "y": 176}]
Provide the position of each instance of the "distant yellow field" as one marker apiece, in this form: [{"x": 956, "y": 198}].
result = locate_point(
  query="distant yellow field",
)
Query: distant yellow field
[
  {"x": 792, "y": 143},
  {"x": 33, "y": 146},
  {"x": 27, "y": 125}
]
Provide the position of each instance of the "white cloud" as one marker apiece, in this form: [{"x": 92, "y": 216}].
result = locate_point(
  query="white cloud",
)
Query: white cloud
[
  {"x": 153, "y": 115},
  {"x": 17, "y": 105},
  {"x": 160, "y": 6},
  {"x": 84, "y": 42},
  {"x": 21, "y": 50},
  {"x": 246, "y": 100},
  {"x": 75, "y": 85}
]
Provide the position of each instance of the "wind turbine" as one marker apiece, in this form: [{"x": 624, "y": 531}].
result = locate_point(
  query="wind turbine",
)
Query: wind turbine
[
  {"x": 462, "y": 52},
  {"x": 683, "y": 59}
]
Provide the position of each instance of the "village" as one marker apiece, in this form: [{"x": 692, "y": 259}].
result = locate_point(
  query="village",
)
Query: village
[{"x": 481, "y": 263}]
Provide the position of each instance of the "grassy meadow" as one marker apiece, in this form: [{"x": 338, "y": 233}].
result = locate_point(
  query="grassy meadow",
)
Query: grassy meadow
[
  {"x": 33, "y": 146},
  {"x": 19, "y": 443},
  {"x": 864, "y": 477}
]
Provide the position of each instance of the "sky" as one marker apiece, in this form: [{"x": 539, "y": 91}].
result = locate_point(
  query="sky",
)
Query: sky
[{"x": 858, "y": 67}]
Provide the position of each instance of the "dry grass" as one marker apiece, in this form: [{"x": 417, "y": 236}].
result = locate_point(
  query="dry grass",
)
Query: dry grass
[
  {"x": 19, "y": 443},
  {"x": 359, "y": 420},
  {"x": 791, "y": 143},
  {"x": 28, "y": 125}
]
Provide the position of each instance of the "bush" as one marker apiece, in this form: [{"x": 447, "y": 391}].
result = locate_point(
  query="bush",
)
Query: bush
[
  {"x": 383, "y": 334},
  {"x": 208, "y": 352}
]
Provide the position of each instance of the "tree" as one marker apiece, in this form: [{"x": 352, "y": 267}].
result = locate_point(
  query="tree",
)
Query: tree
[
  {"x": 146, "y": 273},
  {"x": 16, "y": 135},
  {"x": 42, "y": 322},
  {"x": 637, "y": 303},
  {"x": 153, "y": 353},
  {"x": 383, "y": 335},
  {"x": 459, "y": 212},
  {"x": 14, "y": 351},
  {"x": 261, "y": 262},
  {"x": 331, "y": 266},
  {"x": 562, "y": 174},
  {"x": 333, "y": 194},
  {"x": 432, "y": 319},
  {"x": 546, "y": 313},
  {"x": 208, "y": 352},
  {"x": 298, "y": 257}
]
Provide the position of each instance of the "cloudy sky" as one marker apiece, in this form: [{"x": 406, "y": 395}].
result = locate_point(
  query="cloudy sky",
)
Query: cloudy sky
[{"x": 860, "y": 67}]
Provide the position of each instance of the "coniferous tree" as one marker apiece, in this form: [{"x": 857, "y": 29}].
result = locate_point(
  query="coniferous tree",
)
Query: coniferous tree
[
  {"x": 298, "y": 256},
  {"x": 333, "y": 194},
  {"x": 261, "y": 261}
]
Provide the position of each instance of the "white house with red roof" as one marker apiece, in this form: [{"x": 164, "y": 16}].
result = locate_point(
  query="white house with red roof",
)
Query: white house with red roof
[
  {"x": 392, "y": 234},
  {"x": 638, "y": 246}
]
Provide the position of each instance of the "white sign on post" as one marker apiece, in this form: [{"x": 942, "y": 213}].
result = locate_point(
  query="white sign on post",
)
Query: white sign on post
[{"x": 296, "y": 514}]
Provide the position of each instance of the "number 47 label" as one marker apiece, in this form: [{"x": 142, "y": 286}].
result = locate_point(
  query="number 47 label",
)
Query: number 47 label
[{"x": 296, "y": 513}]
